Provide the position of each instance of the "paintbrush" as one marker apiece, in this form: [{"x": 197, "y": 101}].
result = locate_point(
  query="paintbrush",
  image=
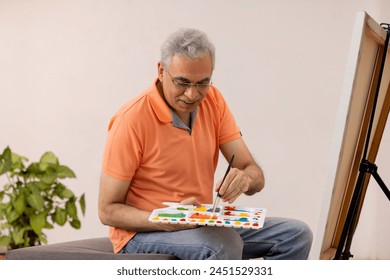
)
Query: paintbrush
[{"x": 223, "y": 180}]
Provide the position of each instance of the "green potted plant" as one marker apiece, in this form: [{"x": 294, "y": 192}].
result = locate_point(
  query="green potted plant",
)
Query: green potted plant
[{"x": 34, "y": 199}]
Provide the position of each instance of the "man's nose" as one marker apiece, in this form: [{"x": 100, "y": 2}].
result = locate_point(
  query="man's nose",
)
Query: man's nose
[{"x": 191, "y": 92}]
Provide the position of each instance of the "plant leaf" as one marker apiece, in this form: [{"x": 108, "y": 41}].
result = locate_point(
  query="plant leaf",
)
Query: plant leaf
[
  {"x": 42, "y": 186},
  {"x": 17, "y": 161},
  {"x": 33, "y": 170},
  {"x": 49, "y": 176},
  {"x": 37, "y": 222},
  {"x": 49, "y": 225},
  {"x": 82, "y": 204},
  {"x": 65, "y": 172},
  {"x": 43, "y": 239},
  {"x": 5, "y": 241},
  {"x": 36, "y": 201},
  {"x": 19, "y": 203},
  {"x": 75, "y": 224},
  {"x": 60, "y": 216},
  {"x": 48, "y": 159},
  {"x": 17, "y": 235},
  {"x": 66, "y": 193},
  {"x": 5, "y": 161},
  {"x": 3, "y": 206},
  {"x": 71, "y": 209},
  {"x": 12, "y": 216}
]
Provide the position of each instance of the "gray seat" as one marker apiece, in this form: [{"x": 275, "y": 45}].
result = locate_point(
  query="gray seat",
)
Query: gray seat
[{"x": 87, "y": 249}]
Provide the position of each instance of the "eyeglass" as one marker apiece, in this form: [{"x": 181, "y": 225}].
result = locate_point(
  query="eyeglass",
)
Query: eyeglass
[{"x": 183, "y": 84}]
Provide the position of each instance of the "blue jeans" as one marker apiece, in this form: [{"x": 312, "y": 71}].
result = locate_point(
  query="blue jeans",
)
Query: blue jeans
[{"x": 279, "y": 239}]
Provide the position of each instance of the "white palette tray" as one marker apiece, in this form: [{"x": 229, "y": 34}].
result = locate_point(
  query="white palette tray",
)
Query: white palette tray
[{"x": 224, "y": 216}]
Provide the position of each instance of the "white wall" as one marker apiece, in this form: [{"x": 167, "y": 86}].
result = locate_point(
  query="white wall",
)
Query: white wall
[{"x": 66, "y": 66}]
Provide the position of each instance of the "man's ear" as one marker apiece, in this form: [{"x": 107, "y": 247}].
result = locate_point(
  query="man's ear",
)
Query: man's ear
[{"x": 160, "y": 70}]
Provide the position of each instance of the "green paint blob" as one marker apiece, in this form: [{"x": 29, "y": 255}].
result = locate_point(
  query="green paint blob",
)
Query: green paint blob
[{"x": 172, "y": 215}]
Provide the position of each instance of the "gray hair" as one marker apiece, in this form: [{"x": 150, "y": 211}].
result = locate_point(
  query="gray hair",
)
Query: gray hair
[{"x": 188, "y": 42}]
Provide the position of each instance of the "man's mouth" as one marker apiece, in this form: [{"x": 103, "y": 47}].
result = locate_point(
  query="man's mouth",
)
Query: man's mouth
[{"x": 189, "y": 102}]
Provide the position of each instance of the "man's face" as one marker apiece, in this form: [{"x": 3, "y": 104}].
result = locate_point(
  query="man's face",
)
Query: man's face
[{"x": 185, "y": 83}]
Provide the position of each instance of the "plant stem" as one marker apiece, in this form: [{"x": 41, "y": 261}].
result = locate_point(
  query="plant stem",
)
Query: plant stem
[{"x": 9, "y": 179}]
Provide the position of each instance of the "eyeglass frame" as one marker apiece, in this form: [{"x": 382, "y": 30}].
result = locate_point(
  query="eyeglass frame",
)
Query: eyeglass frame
[{"x": 186, "y": 85}]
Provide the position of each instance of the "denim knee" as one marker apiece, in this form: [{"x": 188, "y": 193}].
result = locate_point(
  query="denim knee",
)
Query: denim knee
[
  {"x": 223, "y": 244},
  {"x": 306, "y": 235},
  {"x": 303, "y": 239}
]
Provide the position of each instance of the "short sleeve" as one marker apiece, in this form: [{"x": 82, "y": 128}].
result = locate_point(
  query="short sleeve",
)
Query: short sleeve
[{"x": 122, "y": 153}]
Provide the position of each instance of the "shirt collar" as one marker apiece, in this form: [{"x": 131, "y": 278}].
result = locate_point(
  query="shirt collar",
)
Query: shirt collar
[
  {"x": 166, "y": 114},
  {"x": 177, "y": 122},
  {"x": 163, "y": 112}
]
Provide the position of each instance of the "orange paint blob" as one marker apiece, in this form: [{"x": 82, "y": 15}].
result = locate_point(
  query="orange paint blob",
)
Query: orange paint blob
[{"x": 202, "y": 216}]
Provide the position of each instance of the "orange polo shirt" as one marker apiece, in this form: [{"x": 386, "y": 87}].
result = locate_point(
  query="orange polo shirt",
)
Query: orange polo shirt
[{"x": 164, "y": 162}]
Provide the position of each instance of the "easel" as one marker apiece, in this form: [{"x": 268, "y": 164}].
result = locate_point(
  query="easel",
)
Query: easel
[{"x": 367, "y": 167}]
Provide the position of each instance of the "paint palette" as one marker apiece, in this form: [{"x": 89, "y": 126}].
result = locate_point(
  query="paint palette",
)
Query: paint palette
[{"x": 224, "y": 216}]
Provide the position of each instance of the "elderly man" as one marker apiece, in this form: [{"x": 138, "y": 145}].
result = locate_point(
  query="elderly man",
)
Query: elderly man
[{"x": 164, "y": 146}]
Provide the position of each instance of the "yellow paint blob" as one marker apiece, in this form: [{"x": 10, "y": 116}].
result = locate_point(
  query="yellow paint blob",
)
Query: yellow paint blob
[{"x": 201, "y": 209}]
